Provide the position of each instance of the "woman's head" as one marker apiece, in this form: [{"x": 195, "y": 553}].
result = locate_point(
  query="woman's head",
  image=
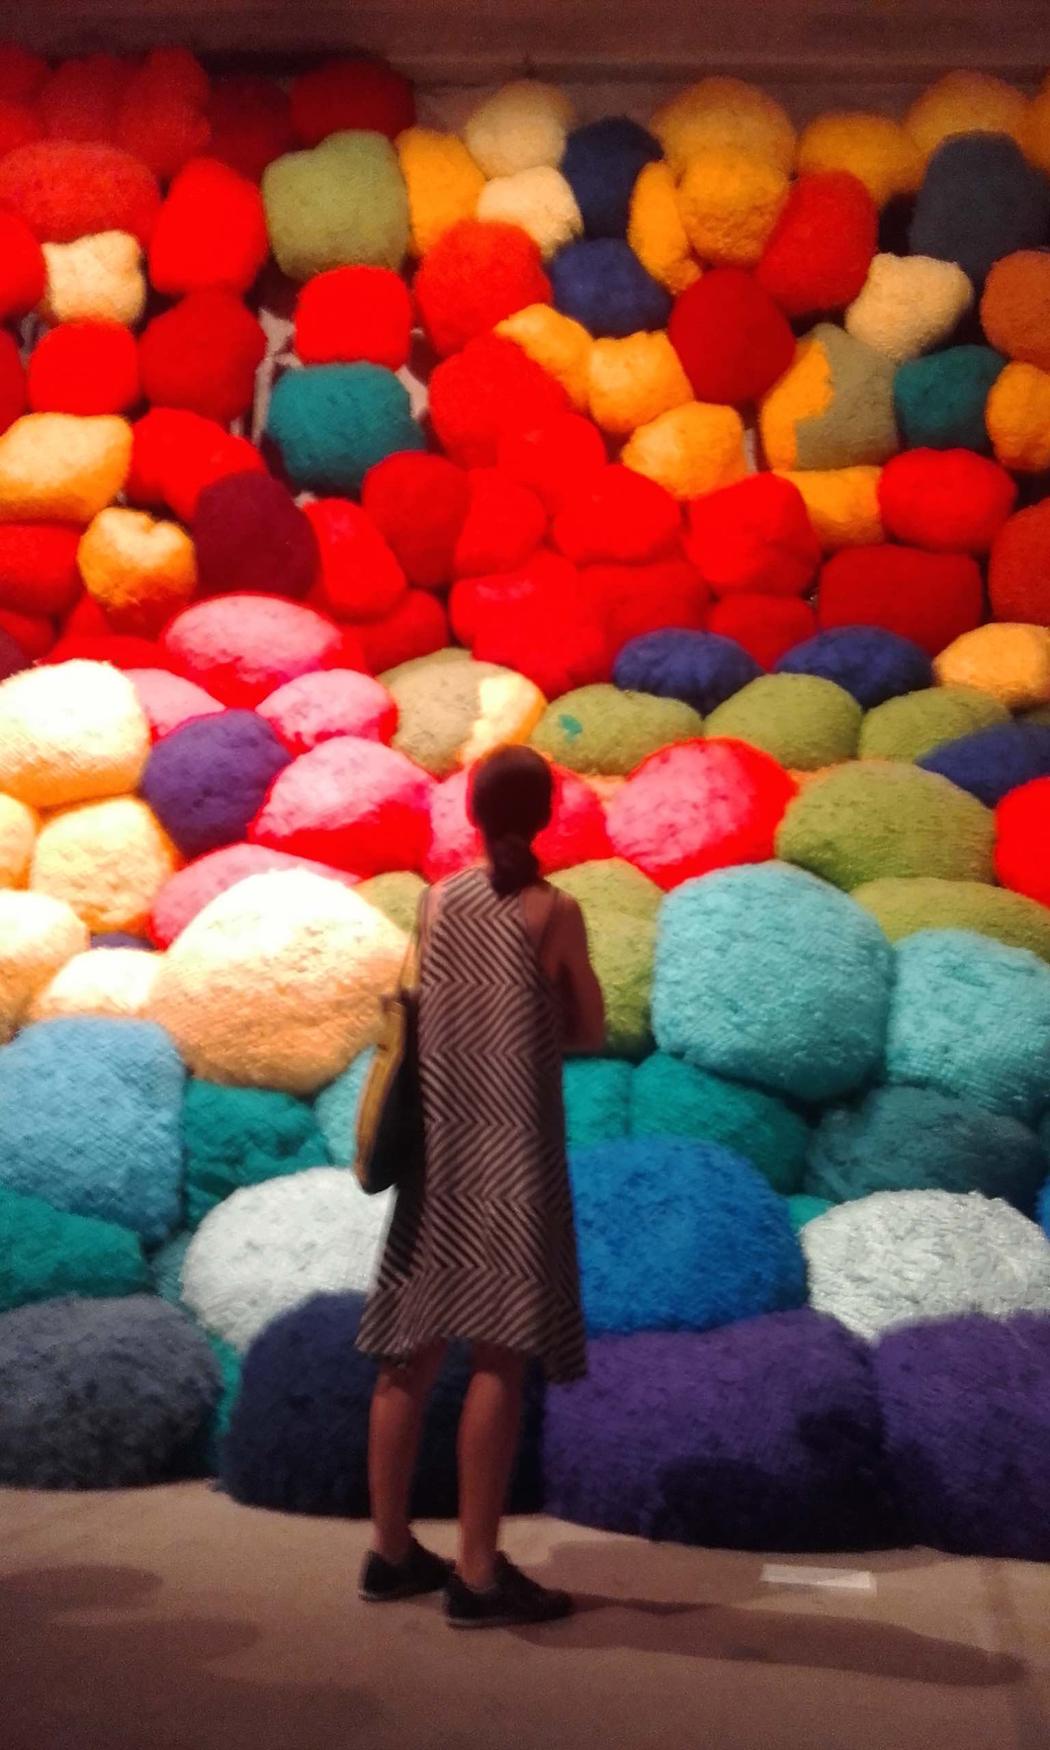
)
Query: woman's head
[{"x": 511, "y": 797}]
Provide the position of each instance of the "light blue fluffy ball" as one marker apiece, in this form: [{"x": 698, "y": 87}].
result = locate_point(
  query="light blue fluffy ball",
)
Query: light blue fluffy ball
[{"x": 335, "y": 1109}]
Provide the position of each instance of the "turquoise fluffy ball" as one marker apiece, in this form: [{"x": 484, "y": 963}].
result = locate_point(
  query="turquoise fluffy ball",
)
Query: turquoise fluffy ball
[
  {"x": 336, "y": 1109},
  {"x": 597, "y": 1100},
  {"x": 768, "y": 976},
  {"x": 46, "y": 1253},
  {"x": 671, "y": 1098},
  {"x": 331, "y": 423},
  {"x": 241, "y": 1136},
  {"x": 940, "y": 399}
]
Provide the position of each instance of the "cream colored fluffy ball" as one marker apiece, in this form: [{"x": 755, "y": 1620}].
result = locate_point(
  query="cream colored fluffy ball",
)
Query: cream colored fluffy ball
[
  {"x": 95, "y": 279},
  {"x": 108, "y": 860},
  {"x": 452, "y": 710},
  {"x": 104, "y": 981},
  {"x": 521, "y": 125},
  {"x": 540, "y": 201},
  {"x": 38, "y": 934},
  {"x": 908, "y": 304},
  {"x": 18, "y": 830},
  {"x": 69, "y": 733}
]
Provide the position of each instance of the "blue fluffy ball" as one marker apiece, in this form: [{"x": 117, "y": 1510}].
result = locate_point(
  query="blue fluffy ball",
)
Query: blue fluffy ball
[
  {"x": 208, "y": 779},
  {"x": 90, "y": 1113},
  {"x": 680, "y": 1235},
  {"x": 602, "y": 163},
  {"x": 331, "y": 423},
  {"x": 602, "y": 284},
  {"x": 991, "y": 762},
  {"x": 298, "y": 1435},
  {"x": 701, "y": 668},
  {"x": 980, "y": 199},
  {"x": 871, "y": 664}
]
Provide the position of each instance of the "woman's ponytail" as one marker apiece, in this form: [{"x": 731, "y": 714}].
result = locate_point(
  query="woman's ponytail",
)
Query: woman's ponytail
[{"x": 514, "y": 863}]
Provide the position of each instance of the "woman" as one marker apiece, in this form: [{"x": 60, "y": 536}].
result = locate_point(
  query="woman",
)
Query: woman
[{"x": 483, "y": 1249}]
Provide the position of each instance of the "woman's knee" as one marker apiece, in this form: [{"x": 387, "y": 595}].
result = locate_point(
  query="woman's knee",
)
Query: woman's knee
[
  {"x": 508, "y": 1364},
  {"x": 416, "y": 1372}
]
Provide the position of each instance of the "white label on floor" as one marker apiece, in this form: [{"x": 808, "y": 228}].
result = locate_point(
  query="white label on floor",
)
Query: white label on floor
[{"x": 838, "y": 1579}]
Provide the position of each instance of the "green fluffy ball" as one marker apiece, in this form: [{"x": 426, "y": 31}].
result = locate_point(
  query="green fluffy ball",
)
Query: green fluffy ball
[
  {"x": 611, "y": 885},
  {"x": 342, "y": 205},
  {"x": 332, "y": 423},
  {"x": 602, "y": 731},
  {"x": 901, "y": 907},
  {"x": 801, "y": 720},
  {"x": 864, "y": 822},
  {"x": 597, "y": 1101},
  {"x": 396, "y": 895},
  {"x": 671, "y": 1098},
  {"x": 240, "y": 1136},
  {"x": 46, "y": 1253},
  {"x": 620, "y": 908},
  {"x": 907, "y": 727}
]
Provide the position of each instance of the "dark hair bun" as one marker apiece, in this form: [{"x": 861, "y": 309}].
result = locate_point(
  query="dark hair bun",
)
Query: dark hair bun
[{"x": 514, "y": 864}]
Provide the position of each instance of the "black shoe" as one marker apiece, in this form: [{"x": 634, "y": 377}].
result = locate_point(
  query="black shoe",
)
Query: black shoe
[
  {"x": 421, "y": 1572},
  {"x": 513, "y": 1600}
]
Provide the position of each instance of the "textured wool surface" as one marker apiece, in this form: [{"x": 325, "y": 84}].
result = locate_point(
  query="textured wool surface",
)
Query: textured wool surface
[
  {"x": 269, "y": 1247},
  {"x": 1014, "y": 306},
  {"x": 18, "y": 830},
  {"x": 901, "y": 1257},
  {"x": 622, "y": 949},
  {"x": 351, "y": 92},
  {"x": 298, "y": 1435},
  {"x": 949, "y": 501},
  {"x": 208, "y": 779},
  {"x": 242, "y": 1136},
  {"x": 699, "y": 668},
  {"x": 101, "y": 1394},
  {"x": 319, "y": 707},
  {"x": 679, "y": 1234},
  {"x": 451, "y": 710},
  {"x": 1016, "y": 415},
  {"x": 832, "y": 408},
  {"x": 89, "y": 1120},
  {"x": 1022, "y": 840},
  {"x": 914, "y": 724},
  {"x": 38, "y": 935},
  {"x": 964, "y": 103},
  {"x": 940, "y": 400},
  {"x": 699, "y": 806},
  {"x": 331, "y": 423},
  {"x": 419, "y": 503},
  {"x": 38, "y": 567},
  {"x": 46, "y": 1253},
  {"x": 972, "y": 1017},
  {"x": 138, "y": 569},
  {"x": 335, "y": 1110},
  {"x": 989, "y": 763},
  {"x": 963, "y": 1410},
  {"x": 868, "y": 663},
  {"x": 864, "y": 821},
  {"x": 905, "y": 906},
  {"x": 176, "y": 453},
  {"x": 597, "y": 1101},
  {"x": 505, "y": 522},
  {"x": 764, "y": 1435},
  {"x": 908, "y": 304},
  {"x": 636, "y": 599},
  {"x": 192, "y": 888},
  {"x": 928, "y": 598},
  {"x": 621, "y": 519},
  {"x": 110, "y": 979},
  {"x": 343, "y": 204},
  {"x": 241, "y": 648},
  {"x": 979, "y": 201},
  {"x": 601, "y": 284},
  {"x": 671, "y": 1098},
  {"x": 250, "y": 535},
  {"x": 767, "y": 975},
  {"x": 607, "y": 731},
  {"x": 800, "y": 720},
  {"x": 165, "y": 1267},
  {"x": 84, "y": 367},
  {"x": 523, "y": 124},
  {"x": 474, "y": 275},
  {"x": 354, "y": 804},
  {"x": 556, "y": 347},
  {"x": 107, "y": 859},
  {"x": 540, "y": 201},
  {"x": 917, "y": 1139},
  {"x": 276, "y": 983},
  {"x": 70, "y": 732},
  {"x": 1011, "y": 662},
  {"x": 95, "y": 279}
]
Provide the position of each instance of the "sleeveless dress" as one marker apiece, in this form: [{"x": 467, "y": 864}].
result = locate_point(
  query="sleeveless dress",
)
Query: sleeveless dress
[{"x": 483, "y": 1247}]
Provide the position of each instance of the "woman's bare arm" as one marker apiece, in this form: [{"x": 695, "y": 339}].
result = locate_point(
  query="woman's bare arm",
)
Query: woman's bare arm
[{"x": 584, "y": 1002}]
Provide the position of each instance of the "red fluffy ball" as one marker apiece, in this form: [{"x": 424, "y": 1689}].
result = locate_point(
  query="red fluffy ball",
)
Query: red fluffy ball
[
  {"x": 66, "y": 189},
  {"x": 621, "y": 518},
  {"x": 203, "y": 355},
  {"x": 162, "y": 115},
  {"x": 353, "y": 313},
  {"x": 19, "y": 123},
  {"x": 12, "y": 381},
  {"x": 767, "y": 626},
  {"x": 22, "y": 74},
  {"x": 504, "y": 524},
  {"x": 473, "y": 598},
  {"x": 418, "y": 626},
  {"x": 121, "y": 649},
  {"x": 474, "y": 276},
  {"x": 951, "y": 501},
  {"x": 822, "y": 245},
  {"x": 211, "y": 231},
  {"x": 753, "y": 538},
  {"x": 176, "y": 454},
  {"x": 81, "y": 99},
  {"x": 551, "y": 633},
  {"x": 732, "y": 339},
  {"x": 1022, "y": 840},
  {"x": 251, "y": 123},
  {"x": 489, "y": 389},
  {"x": 1019, "y": 569},
  {"x": 23, "y": 272},
  {"x": 38, "y": 567},
  {"x": 33, "y": 633},
  {"x": 931, "y": 598},
  {"x": 359, "y": 577},
  {"x": 635, "y": 599},
  {"x": 557, "y": 459},
  {"x": 350, "y": 93},
  {"x": 84, "y": 367},
  {"x": 420, "y": 503}
]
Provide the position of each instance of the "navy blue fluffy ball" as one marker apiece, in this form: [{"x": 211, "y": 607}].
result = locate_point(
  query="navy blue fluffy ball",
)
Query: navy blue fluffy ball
[
  {"x": 702, "y": 668},
  {"x": 298, "y": 1436},
  {"x": 871, "y": 664},
  {"x": 991, "y": 762},
  {"x": 603, "y": 285},
  {"x": 602, "y": 163},
  {"x": 208, "y": 779},
  {"x": 980, "y": 200}
]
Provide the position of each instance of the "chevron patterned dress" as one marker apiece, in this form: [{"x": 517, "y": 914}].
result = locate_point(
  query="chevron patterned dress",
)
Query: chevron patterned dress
[{"x": 483, "y": 1247}]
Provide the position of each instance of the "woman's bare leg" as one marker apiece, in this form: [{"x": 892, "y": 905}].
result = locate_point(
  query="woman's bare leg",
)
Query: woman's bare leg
[
  {"x": 489, "y": 1431},
  {"x": 393, "y": 1445}
]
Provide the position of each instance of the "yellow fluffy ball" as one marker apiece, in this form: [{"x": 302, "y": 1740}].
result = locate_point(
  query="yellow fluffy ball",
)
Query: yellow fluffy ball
[
  {"x": 633, "y": 381},
  {"x": 720, "y": 113},
  {"x": 442, "y": 180},
  {"x": 655, "y": 230},
  {"x": 540, "y": 201},
  {"x": 70, "y": 732},
  {"x": 521, "y": 125},
  {"x": 95, "y": 279},
  {"x": 60, "y": 467},
  {"x": 18, "y": 830},
  {"x": 104, "y": 981},
  {"x": 965, "y": 103},
  {"x": 691, "y": 450},
  {"x": 843, "y": 504},
  {"x": 560, "y": 346},
  {"x": 107, "y": 860},
  {"x": 37, "y": 936},
  {"x": 138, "y": 569},
  {"x": 1011, "y": 662},
  {"x": 1017, "y": 414},
  {"x": 874, "y": 149},
  {"x": 729, "y": 202}
]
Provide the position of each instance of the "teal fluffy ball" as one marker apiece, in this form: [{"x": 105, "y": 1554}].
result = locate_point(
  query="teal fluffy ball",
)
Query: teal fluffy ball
[
  {"x": 939, "y": 400},
  {"x": 803, "y": 1209},
  {"x": 670, "y": 1098},
  {"x": 342, "y": 205},
  {"x": 46, "y": 1253},
  {"x": 597, "y": 1101},
  {"x": 332, "y": 423},
  {"x": 767, "y": 975},
  {"x": 241, "y": 1136}
]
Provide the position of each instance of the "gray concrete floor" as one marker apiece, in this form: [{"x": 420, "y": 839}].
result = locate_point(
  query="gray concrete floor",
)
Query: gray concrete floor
[{"x": 171, "y": 1619}]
